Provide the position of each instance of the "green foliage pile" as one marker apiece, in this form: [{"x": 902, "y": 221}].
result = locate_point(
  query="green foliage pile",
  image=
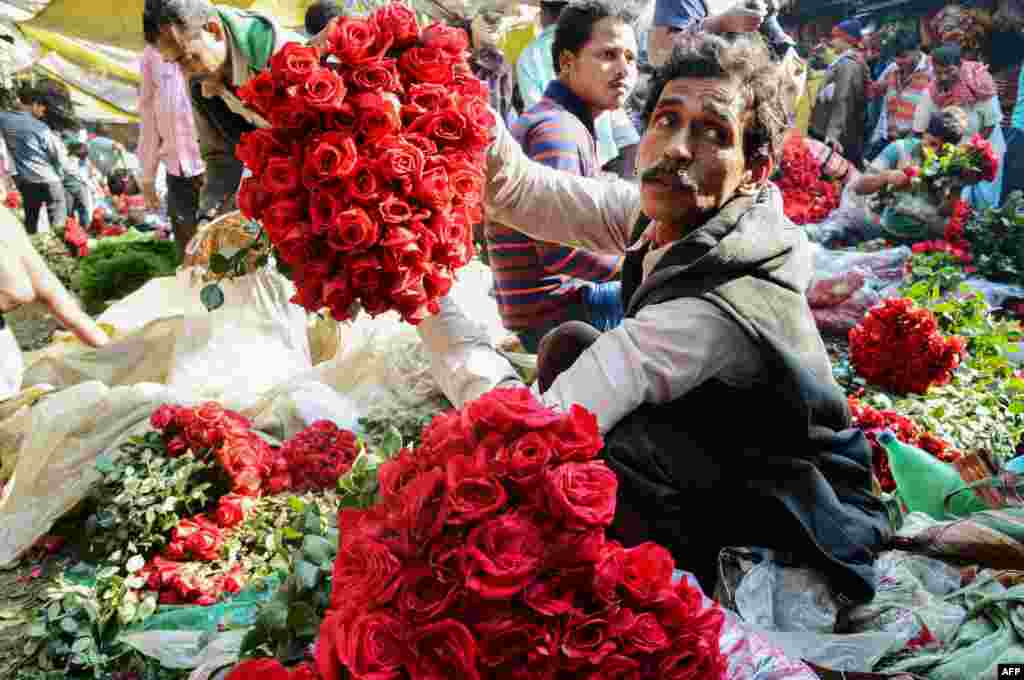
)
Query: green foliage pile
[{"x": 120, "y": 265}]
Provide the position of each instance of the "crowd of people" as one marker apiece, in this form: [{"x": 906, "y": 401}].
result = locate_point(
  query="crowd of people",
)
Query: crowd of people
[{"x": 637, "y": 242}]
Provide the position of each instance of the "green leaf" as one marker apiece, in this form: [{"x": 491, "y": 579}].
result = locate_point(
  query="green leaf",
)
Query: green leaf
[
  {"x": 302, "y": 619},
  {"x": 106, "y": 572},
  {"x": 53, "y": 611},
  {"x": 82, "y": 644},
  {"x": 126, "y": 612},
  {"x": 147, "y": 608},
  {"x": 69, "y": 625},
  {"x": 212, "y": 297},
  {"x": 37, "y": 630},
  {"x": 392, "y": 442},
  {"x": 219, "y": 264},
  {"x": 296, "y": 504},
  {"x": 104, "y": 463},
  {"x": 274, "y": 617},
  {"x": 317, "y": 550},
  {"x": 307, "y": 574}
]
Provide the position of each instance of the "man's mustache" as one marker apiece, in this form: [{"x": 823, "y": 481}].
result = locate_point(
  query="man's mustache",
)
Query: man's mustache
[{"x": 670, "y": 173}]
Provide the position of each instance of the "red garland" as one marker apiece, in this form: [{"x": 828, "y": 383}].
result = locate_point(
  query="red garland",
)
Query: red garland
[
  {"x": 486, "y": 557},
  {"x": 370, "y": 178},
  {"x": 897, "y": 346},
  {"x": 807, "y": 199},
  {"x": 873, "y": 422}
]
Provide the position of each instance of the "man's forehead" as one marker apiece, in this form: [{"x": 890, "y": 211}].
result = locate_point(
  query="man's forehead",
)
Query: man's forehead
[
  {"x": 611, "y": 30},
  {"x": 721, "y": 92}
]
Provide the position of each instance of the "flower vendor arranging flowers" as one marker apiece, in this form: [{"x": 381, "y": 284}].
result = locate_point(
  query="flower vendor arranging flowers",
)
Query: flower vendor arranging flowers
[
  {"x": 486, "y": 557},
  {"x": 370, "y": 177},
  {"x": 898, "y": 347}
]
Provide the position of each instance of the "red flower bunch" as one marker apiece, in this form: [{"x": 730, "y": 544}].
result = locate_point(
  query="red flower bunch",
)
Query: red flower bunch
[
  {"x": 898, "y": 347},
  {"x": 319, "y": 455},
  {"x": 806, "y": 198},
  {"x": 13, "y": 200},
  {"x": 209, "y": 429},
  {"x": 270, "y": 669},
  {"x": 954, "y": 233},
  {"x": 873, "y": 422},
  {"x": 198, "y": 539},
  {"x": 370, "y": 177},
  {"x": 983, "y": 157},
  {"x": 75, "y": 236},
  {"x": 180, "y": 583},
  {"x": 486, "y": 557}
]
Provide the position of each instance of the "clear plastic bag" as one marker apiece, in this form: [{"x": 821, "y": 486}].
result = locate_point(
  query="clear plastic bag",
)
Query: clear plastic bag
[
  {"x": 12, "y": 364},
  {"x": 840, "y": 319},
  {"x": 885, "y": 266},
  {"x": 829, "y": 291}
]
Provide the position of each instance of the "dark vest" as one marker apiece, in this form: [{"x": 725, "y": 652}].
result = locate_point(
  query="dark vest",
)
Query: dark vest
[{"x": 773, "y": 465}]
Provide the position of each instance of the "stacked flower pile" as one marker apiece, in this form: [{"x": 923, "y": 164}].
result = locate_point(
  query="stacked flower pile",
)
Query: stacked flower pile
[
  {"x": 271, "y": 669},
  {"x": 486, "y": 557},
  {"x": 318, "y": 456},
  {"x": 898, "y": 347},
  {"x": 873, "y": 421},
  {"x": 806, "y": 197},
  {"x": 982, "y": 157},
  {"x": 369, "y": 179},
  {"x": 183, "y": 583}
]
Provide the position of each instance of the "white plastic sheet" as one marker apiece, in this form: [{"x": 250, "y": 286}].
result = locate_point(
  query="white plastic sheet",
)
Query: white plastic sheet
[{"x": 12, "y": 364}]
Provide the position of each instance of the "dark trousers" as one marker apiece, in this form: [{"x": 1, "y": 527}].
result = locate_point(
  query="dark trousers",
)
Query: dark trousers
[
  {"x": 78, "y": 203},
  {"x": 182, "y": 208},
  {"x": 37, "y": 194}
]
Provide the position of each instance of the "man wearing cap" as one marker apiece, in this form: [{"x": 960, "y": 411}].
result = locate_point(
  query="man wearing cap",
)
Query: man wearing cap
[
  {"x": 615, "y": 133},
  {"x": 838, "y": 114}
]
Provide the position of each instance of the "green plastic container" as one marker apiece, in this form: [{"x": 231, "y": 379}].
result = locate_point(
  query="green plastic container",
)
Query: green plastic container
[{"x": 924, "y": 482}]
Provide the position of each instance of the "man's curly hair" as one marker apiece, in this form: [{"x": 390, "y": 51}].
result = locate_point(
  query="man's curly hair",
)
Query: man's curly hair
[{"x": 748, "y": 62}]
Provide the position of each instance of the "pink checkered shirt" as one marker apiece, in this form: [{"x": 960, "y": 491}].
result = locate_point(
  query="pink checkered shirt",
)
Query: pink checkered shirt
[{"x": 167, "y": 132}]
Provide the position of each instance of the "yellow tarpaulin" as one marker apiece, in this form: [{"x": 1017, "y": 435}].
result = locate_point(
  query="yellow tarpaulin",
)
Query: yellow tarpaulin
[{"x": 119, "y": 22}]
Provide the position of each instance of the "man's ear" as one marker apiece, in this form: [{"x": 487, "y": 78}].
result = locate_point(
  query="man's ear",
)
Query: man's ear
[{"x": 759, "y": 169}]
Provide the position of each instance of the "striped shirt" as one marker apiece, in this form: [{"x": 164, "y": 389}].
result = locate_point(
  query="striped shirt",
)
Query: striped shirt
[
  {"x": 901, "y": 98},
  {"x": 536, "y": 283}
]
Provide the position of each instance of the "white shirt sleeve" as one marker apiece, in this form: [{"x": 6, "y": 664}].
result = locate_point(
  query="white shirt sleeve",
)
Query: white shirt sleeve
[{"x": 661, "y": 354}]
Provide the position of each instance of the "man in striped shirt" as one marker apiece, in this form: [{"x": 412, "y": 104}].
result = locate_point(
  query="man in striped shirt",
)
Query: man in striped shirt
[{"x": 540, "y": 285}]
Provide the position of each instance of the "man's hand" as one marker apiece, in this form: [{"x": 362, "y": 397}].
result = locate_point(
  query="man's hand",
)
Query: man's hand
[
  {"x": 25, "y": 278},
  {"x": 897, "y": 179},
  {"x": 150, "y": 195},
  {"x": 743, "y": 18}
]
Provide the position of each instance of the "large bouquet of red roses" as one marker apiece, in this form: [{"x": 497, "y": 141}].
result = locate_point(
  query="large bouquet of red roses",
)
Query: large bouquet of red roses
[
  {"x": 370, "y": 177},
  {"x": 486, "y": 557},
  {"x": 898, "y": 346},
  {"x": 806, "y": 197}
]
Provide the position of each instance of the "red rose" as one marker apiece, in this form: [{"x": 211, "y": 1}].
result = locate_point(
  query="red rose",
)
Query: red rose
[
  {"x": 295, "y": 62},
  {"x": 294, "y": 114},
  {"x": 433, "y": 188},
  {"x": 508, "y": 410},
  {"x": 473, "y": 493},
  {"x": 642, "y": 575},
  {"x": 279, "y": 483},
  {"x": 441, "y": 438},
  {"x": 424, "y": 597},
  {"x": 176, "y": 551},
  {"x": 399, "y": 160},
  {"x": 428, "y": 97},
  {"x": 394, "y": 474},
  {"x": 444, "y": 650},
  {"x": 333, "y": 156},
  {"x": 588, "y": 639},
  {"x": 514, "y": 639},
  {"x": 503, "y": 555},
  {"x": 353, "y": 38},
  {"x": 177, "y": 446},
  {"x": 472, "y": 88},
  {"x": 352, "y": 230},
  {"x": 163, "y": 417},
  {"x": 448, "y": 38},
  {"x": 344, "y": 120},
  {"x": 555, "y": 593},
  {"x": 576, "y": 435},
  {"x": 693, "y": 657},
  {"x": 646, "y": 635},
  {"x": 394, "y": 210},
  {"x": 427, "y": 65},
  {"x": 379, "y": 115},
  {"x": 304, "y": 672},
  {"x": 364, "y": 186},
  {"x": 258, "y": 669},
  {"x": 617, "y": 667},
  {"x": 375, "y": 646},
  {"x": 399, "y": 22},
  {"x": 679, "y": 611},
  {"x": 912, "y": 171},
  {"x": 232, "y": 509},
  {"x": 254, "y": 148},
  {"x": 419, "y": 515},
  {"x": 329, "y": 646},
  {"x": 467, "y": 182},
  {"x": 324, "y": 90},
  {"x": 338, "y": 297},
  {"x": 376, "y": 76},
  {"x": 480, "y": 121},
  {"x": 524, "y": 460},
  {"x": 365, "y": 273},
  {"x": 261, "y": 93},
  {"x": 446, "y": 126},
  {"x": 324, "y": 209},
  {"x": 204, "y": 544},
  {"x": 279, "y": 218},
  {"x": 572, "y": 547},
  {"x": 282, "y": 175},
  {"x": 581, "y": 494},
  {"x": 365, "y": 575},
  {"x": 438, "y": 281},
  {"x": 253, "y": 199},
  {"x": 234, "y": 580}
]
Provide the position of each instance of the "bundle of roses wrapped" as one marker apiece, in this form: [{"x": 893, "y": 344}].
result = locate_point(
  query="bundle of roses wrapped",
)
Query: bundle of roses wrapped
[
  {"x": 874, "y": 421},
  {"x": 898, "y": 346},
  {"x": 944, "y": 173},
  {"x": 486, "y": 557},
  {"x": 370, "y": 177},
  {"x": 806, "y": 197}
]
